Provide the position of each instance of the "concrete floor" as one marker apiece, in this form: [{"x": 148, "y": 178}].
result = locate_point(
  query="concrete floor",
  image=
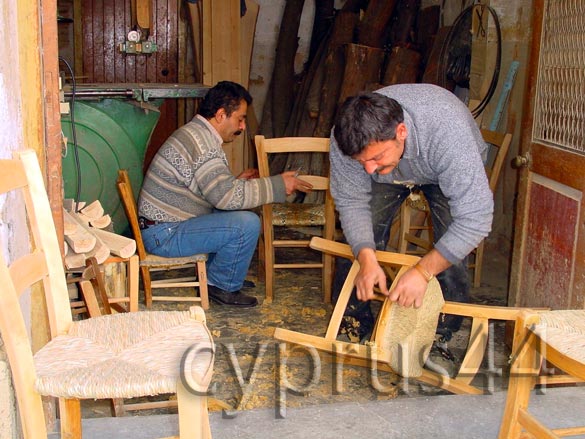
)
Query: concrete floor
[{"x": 438, "y": 417}]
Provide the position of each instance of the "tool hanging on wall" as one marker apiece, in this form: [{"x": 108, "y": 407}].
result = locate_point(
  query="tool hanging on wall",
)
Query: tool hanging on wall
[{"x": 137, "y": 39}]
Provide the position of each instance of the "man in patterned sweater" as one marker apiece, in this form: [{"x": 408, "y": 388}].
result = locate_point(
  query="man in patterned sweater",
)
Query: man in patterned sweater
[{"x": 191, "y": 203}]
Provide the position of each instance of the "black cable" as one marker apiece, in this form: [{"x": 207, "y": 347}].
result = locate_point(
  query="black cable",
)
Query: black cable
[
  {"x": 464, "y": 19},
  {"x": 74, "y": 133}
]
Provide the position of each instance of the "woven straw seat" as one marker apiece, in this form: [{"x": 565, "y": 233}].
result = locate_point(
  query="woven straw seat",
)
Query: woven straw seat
[
  {"x": 93, "y": 359},
  {"x": 298, "y": 214},
  {"x": 563, "y": 330},
  {"x": 408, "y": 333},
  {"x": 557, "y": 337},
  {"x": 169, "y": 263},
  {"x": 113, "y": 356}
]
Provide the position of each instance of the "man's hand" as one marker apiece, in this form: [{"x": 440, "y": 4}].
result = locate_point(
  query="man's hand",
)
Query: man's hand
[
  {"x": 412, "y": 286},
  {"x": 292, "y": 183},
  {"x": 410, "y": 289},
  {"x": 247, "y": 174},
  {"x": 370, "y": 275}
]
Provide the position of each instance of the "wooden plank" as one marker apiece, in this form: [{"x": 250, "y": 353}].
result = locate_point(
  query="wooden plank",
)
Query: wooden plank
[
  {"x": 81, "y": 241},
  {"x": 143, "y": 8},
  {"x": 247, "y": 30},
  {"x": 117, "y": 244}
]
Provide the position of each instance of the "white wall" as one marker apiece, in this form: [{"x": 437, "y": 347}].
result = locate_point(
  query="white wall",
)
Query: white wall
[{"x": 10, "y": 139}]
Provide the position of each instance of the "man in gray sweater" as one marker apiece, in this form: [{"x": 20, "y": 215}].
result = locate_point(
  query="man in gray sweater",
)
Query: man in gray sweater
[
  {"x": 386, "y": 144},
  {"x": 191, "y": 202}
]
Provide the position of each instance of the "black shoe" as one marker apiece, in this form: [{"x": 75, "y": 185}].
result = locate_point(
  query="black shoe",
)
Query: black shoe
[
  {"x": 248, "y": 284},
  {"x": 233, "y": 299}
]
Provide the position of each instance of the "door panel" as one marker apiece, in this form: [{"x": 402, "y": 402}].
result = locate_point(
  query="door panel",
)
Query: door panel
[
  {"x": 548, "y": 262},
  {"x": 551, "y": 233}
]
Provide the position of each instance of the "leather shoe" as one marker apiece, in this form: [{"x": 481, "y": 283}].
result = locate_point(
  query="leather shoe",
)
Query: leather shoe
[
  {"x": 232, "y": 299},
  {"x": 248, "y": 284}
]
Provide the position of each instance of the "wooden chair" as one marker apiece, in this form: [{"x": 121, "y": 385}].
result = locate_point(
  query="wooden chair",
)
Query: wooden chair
[
  {"x": 294, "y": 215},
  {"x": 114, "y": 356},
  {"x": 151, "y": 263},
  {"x": 92, "y": 275},
  {"x": 399, "y": 337},
  {"x": 557, "y": 337},
  {"x": 410, "y": 239}
]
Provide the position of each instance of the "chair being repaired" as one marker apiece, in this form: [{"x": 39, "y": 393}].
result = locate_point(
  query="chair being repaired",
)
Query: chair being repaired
[
  {"x": 113, "y": 356},
  {"x": 402, "y": 337}
]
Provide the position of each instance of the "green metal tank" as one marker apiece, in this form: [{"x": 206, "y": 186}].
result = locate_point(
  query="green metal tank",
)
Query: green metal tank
[{"x": 111, "y": 134}]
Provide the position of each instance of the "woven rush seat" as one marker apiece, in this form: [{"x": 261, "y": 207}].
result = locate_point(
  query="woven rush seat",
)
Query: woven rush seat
[
  {"x": 298, "y": 214},
  {"x": 159, "y": 261},
  {"x": 408, "y": 333},
  {"x": 113, "y": 356},
  {"x": 93, "y": 359},
  {"x": 563, "y": 330}
]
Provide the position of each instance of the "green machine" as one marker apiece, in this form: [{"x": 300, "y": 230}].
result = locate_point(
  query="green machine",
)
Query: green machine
[{"x": 113, "y": 125}]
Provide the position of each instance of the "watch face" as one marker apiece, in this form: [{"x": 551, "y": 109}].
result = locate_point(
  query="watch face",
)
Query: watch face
[{"x": 134, "y": 36}]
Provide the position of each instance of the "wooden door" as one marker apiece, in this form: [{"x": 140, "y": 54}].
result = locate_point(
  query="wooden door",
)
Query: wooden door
[{"x": 548, "y": 263}]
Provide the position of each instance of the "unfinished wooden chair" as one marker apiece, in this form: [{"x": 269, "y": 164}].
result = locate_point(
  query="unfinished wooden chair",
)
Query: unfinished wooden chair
[
  {"x": 415, "y": 226},
  {"x": 295, "y": 215},
  {"x": 114, "y": 356},
  {"x": 555, "y": 337},
  {"x": 402, "y": 337},
  {"x": 152, "y": 263},
  {"x": 92, "y": 276}
]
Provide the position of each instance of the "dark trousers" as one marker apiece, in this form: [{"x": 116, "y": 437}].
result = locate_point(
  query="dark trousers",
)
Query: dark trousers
[{"x": 385, "y": 203}]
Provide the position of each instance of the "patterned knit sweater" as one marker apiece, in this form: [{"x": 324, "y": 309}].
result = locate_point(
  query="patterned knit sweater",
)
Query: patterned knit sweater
[{"x": 189, "y": 177}]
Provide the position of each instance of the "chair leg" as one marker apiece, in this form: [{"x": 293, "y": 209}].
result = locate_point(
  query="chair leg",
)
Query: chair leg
[
  {"x": 202, "y": 278},
  {"x": 132, "y": 273},
  {"x": 193, "y": 414},
  {"x": 70, "y": 415},
  {"x": 405, "y": 217},
  {"x": 118, "y": 409},
  {"x": 147, "y": 286},
  {"x": 478, "y": 262},
  {"x": 522, "y": 379},
  {"x": 268, "y": 261},
  {"x": 327, "y": 277}
]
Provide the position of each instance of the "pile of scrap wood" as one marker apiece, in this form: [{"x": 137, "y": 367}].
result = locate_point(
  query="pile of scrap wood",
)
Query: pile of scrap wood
[{"x": 88, "y": 234}]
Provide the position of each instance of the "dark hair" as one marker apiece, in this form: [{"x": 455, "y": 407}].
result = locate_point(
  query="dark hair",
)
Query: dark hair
[
  {"x": 225, "y": 94},
  {"x": 366, "y": 118}
]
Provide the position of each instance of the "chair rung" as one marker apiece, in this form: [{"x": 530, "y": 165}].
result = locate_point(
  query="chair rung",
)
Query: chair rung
[
  {"x": 290, "y": 243},
  {"x": 175, "y": 299},
  {"x": 150, "y": 405},
  {"x": 172, "y": 284},
  {"x": 119, "y": 299},
  {"x": 298, "y": 265}
]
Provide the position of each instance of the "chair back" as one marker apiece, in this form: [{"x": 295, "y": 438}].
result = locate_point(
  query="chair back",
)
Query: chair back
[
  {"x": 320, "y": 212},
  {"x": 41, "y": 263},
  {"x": 129, "y": 202},
  {"x": 500, "y": 141},
  {"x": 286, "y": 145}
]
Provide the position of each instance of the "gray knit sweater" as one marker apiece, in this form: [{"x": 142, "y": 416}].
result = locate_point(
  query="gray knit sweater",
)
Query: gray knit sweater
[
  {"x": 444, "y": 147},
  {"x": 189, "y": 177}
]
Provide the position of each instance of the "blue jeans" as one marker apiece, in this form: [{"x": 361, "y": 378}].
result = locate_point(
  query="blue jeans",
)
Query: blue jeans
[
  {"x": 228, "y": 237},
  {"x": 386, "y": 200}
]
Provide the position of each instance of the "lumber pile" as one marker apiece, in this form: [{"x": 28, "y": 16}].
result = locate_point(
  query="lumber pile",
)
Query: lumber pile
[{"x": 87, "y": 231}]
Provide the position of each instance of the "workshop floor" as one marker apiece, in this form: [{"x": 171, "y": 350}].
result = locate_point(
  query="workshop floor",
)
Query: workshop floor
[{"x": 247, "y": 360}]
